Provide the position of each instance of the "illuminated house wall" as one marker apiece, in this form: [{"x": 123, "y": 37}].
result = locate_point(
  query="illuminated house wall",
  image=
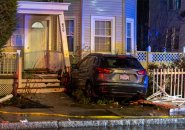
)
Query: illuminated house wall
[
  {"x": 87, "y": 14},
  {"x": 84, "y": 17}
]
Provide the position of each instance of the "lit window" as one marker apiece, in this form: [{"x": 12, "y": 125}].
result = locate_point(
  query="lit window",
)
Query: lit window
[
  {"x": 70, "y": 34},
  {"x": 102, "y": 34},
  {"x": 129, "y": 34},
  {"x": 37, "y": 25}
]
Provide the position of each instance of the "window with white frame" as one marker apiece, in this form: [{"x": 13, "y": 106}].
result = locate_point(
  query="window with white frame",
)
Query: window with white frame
[
  {"x": 129, "y": 35},
  {"x": 70, "y": 25},
  {"x": 102, "y": 34}
]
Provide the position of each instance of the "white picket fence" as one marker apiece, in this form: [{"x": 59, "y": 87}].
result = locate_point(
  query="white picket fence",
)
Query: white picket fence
[{"x": 172, "y": 81}]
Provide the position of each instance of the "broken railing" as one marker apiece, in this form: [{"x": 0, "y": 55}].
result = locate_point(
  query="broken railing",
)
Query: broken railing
[{"x": 168, "y": 86}]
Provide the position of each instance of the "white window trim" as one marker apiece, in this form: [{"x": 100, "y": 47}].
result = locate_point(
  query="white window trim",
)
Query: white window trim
[
  {"x": 131, "y": 21},
  {"x": 103, "y": 18},
  {"x": 75, "y": 35}
]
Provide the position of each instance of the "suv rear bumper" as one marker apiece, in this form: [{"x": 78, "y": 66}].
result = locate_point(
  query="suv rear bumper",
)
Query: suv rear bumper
[{"x": 120, "y": 89}]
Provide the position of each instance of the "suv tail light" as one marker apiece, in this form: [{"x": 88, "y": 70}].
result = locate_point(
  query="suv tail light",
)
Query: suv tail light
[
  {"x": 141, "y": 72},
  {"x": 104, "y": 70}
]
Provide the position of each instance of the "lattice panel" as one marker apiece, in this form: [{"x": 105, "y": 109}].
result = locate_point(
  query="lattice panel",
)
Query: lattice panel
[
  {"x": 165, "y": 57},
  {"x": 141, "y": 56},
  {"x": 5, "y": 89}
]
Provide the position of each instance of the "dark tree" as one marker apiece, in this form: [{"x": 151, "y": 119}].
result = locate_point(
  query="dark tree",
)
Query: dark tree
[{"x": 8, "y": 9}]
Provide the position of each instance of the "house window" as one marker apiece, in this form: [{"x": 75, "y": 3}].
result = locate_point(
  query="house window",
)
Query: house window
[
  {"x": 174, "y": 4},
  {"x": 17, "y": 38},
  {"x": 172, "y": 43},
  {"x": 37, "y": 25},
  {"x": 102, "y": 32},
  {"x": 70, "y": 34},
  {"x": 176, "y": 38},
  {"x": 129, "y": 35},
  {"x": 102, "y": 36}
]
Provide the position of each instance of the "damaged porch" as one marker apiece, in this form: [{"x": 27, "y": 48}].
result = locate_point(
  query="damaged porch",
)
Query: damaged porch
[{"x": 37, "y": 55}]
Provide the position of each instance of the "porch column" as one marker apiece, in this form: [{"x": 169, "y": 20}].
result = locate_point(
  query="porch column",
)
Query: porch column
[{"x": 64, "y": 41}]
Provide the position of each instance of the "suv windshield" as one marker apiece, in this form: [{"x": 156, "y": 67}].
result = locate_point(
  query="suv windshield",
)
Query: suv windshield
[{"x": 120, "y": 62}]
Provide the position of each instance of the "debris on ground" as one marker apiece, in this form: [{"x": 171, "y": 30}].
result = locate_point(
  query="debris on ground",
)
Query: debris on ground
[
  {"x": 7, "y": 97},
  {"x": 24, "y": 102},
  {"x": 164, "y": 99}
]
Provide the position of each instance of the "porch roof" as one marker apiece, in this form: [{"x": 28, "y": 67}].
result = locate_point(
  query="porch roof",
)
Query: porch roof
[{"x": 27, "y": 7}]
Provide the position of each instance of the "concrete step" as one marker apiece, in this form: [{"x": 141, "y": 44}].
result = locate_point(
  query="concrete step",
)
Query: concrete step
[
  {"x": 41, "y": 90},
  {"x": 40, "y": 86}
]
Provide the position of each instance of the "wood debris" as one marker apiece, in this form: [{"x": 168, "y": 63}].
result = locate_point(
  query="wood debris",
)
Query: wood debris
[{"x": 161, "y": 97}]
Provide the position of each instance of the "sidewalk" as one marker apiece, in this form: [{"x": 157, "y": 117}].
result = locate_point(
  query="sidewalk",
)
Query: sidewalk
[{"x": 64, "y": 112}]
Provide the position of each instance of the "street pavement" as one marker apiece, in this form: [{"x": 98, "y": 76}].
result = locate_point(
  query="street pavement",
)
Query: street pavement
[
  {"x": 60, "y": 107},
  {"x": 62, "y": 111}
]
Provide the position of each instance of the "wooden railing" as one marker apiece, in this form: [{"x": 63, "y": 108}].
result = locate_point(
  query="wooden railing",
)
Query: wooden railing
[
  {"x": 50, "y": 60},
  {"x": 8, "y": 63},
  {"x": 171, "y": 81}
]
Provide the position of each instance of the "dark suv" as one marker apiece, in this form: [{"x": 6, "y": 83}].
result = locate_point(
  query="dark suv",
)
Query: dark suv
[{"x": 110, "y": 75}]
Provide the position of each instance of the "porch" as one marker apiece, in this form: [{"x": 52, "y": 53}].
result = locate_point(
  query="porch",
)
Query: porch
[{"x": 37, "y": 52}]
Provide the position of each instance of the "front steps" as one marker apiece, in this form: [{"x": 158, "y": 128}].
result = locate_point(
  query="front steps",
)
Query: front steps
[{"x": 41, "y": 83}]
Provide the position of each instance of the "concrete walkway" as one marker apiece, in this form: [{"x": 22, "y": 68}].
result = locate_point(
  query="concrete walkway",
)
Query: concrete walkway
[{"x": 63, "y": 112}]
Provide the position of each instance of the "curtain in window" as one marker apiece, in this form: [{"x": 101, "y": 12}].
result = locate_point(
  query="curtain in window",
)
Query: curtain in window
[
  {"x": 70, "y": 34},
  {"x": 102, "y": 36}
]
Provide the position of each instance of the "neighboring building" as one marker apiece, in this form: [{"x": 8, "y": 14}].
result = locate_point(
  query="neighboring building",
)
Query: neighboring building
[
  {"x": 166, "y": 25},
  {"x": 142, "y": 24},
  {"x": 105, "y": 26}
]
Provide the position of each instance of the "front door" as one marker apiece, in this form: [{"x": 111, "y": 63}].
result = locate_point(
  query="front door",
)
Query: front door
[{"x": 37, "y": 41}]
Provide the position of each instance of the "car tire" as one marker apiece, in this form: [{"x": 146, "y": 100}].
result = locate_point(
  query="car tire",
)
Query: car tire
[{"x": 89, "y": 91}]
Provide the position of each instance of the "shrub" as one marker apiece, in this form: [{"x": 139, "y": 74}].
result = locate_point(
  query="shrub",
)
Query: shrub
[{"x": 8, "y": 9}]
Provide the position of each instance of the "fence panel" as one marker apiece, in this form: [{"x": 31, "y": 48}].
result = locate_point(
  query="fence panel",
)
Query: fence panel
[
  {"x": 170, "y": 80},
  {"x": 157, "y": 57},
  {"x": 8, "y": 63}
]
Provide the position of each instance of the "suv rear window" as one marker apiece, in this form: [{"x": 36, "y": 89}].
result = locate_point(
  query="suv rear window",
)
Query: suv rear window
[{"x": 120, "y": 62}]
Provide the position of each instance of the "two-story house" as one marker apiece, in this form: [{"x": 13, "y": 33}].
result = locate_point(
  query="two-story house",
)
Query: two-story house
[
  {"x": 50, "y": 35},
  {"x": 104, "y": 26}
]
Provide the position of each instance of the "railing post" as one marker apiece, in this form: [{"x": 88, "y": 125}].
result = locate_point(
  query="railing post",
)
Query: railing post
[
  {"x": 18, "y": 73},
  {"x": 147, "y": 56}
]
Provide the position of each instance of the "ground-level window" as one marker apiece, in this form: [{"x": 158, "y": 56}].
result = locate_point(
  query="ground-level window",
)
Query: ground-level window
[
  {"x": 129, "y": 35},
  {"x": 70, "y": 27},
  {"x": 102, "y": 34}
]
